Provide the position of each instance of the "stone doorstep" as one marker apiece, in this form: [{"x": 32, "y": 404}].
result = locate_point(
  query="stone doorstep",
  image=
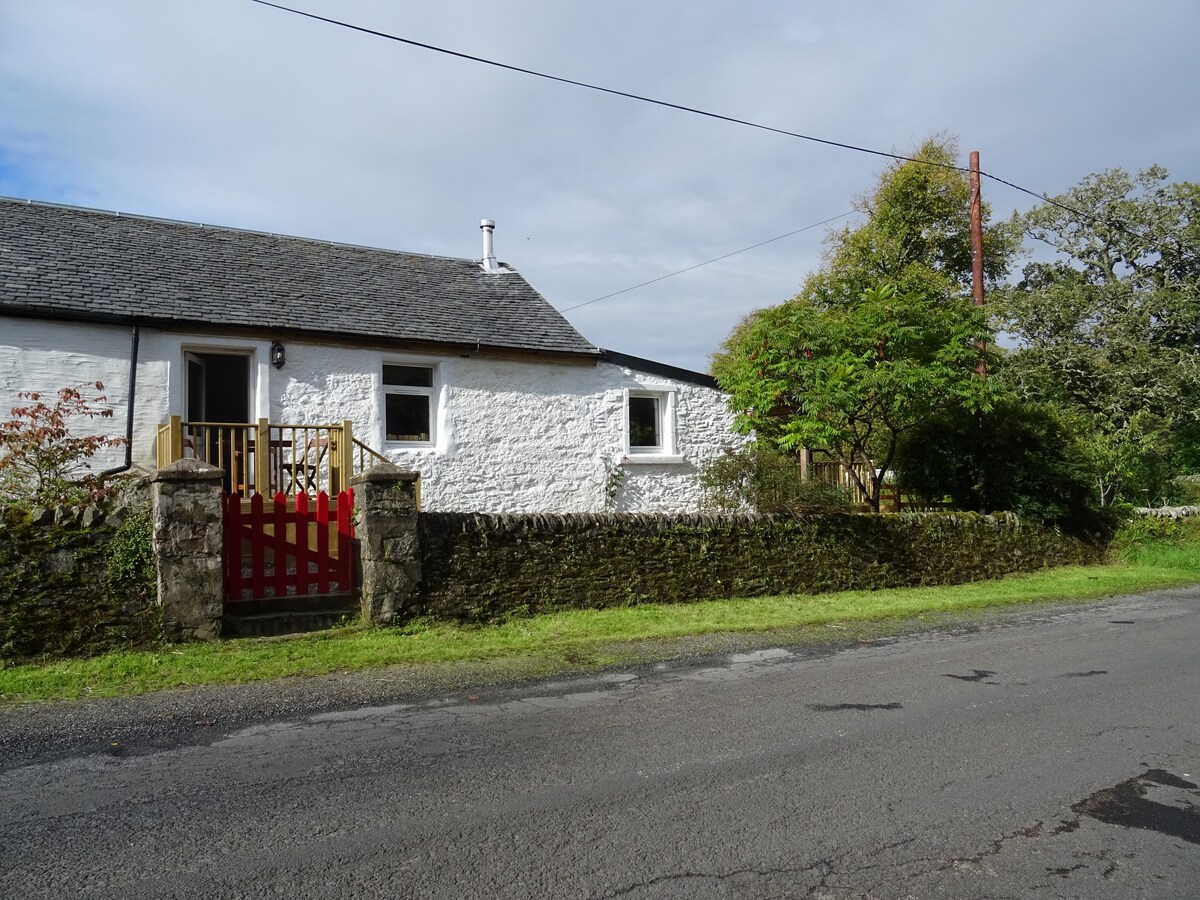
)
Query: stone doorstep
[
  {"x": 280, "y": 624},
  {"x": 303, "y": 603},
  {"x": 277, "y": 616}
]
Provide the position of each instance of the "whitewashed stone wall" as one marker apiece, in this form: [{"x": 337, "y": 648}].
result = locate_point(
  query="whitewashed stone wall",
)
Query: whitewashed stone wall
[
  {"x": 511, "y": 436},
  {"x": 36, "y": 355},
  {"x": 514, "y": 436}
]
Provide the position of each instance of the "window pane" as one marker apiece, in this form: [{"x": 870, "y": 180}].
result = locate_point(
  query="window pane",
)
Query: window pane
[
  {"x": 643, "y": 422},
  {"x": 407, "y": 417},
  {"x": 408, "y": 376}
]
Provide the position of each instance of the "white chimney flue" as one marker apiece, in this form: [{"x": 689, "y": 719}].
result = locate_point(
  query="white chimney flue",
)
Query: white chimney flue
[{"x": 489, "y": 256}]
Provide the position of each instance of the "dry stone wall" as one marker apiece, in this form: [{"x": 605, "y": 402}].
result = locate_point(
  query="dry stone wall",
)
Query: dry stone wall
[
  {"x": 76, "y": 581},
  {"x": 482, "y": 568}
]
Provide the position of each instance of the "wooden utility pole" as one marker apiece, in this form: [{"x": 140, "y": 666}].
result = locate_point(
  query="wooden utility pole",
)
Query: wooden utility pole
[
  {"x": 977, "y": 289},
  {"x": 976, "y": 232},
  {"x": 977, "y": 246}
]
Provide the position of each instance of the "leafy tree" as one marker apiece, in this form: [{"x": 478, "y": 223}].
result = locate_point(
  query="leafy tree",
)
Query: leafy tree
[
  {"x": 848, "y": 366},
  {"x": 1109, "y": 331},
  {"x": 850, "y": 379},
  {"x": 41, "y": 459},
  {"x": 916, "y": 235}
]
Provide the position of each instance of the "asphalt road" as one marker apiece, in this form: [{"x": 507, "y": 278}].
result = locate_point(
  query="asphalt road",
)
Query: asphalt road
[{"x": 1044, "y": 755}]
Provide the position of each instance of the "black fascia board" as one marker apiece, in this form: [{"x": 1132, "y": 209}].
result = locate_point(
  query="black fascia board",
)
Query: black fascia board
[{"x": 658, "y": 368}]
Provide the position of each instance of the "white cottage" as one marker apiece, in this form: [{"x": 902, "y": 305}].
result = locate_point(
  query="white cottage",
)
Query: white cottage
[{"x": 289, "y": 362}]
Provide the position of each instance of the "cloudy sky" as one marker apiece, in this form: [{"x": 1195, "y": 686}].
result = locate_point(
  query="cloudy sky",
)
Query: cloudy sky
[{"x": 231, "y": 113}]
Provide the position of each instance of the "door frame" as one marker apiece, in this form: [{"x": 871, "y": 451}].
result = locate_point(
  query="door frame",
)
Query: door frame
[{"x": 176, "y": 347}]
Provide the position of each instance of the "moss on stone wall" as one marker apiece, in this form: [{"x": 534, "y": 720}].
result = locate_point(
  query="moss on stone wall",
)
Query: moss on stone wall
[
  {"x": 481, "y": 568},
  {"x": 70, "y": 589}
]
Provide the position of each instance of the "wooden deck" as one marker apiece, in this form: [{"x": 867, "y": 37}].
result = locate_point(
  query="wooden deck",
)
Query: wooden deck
[{"x": 269, "y": 458}]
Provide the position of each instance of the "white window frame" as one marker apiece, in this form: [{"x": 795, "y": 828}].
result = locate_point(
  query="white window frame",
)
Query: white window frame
[
  {"x": 430, "y": 393},
  {"x": 667, "y": 451}
]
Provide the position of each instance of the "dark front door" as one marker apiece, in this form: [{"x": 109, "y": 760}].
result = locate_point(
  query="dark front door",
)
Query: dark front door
[
  {"x": 218, "y": 398},
  {"x": 218, "y": 387}
]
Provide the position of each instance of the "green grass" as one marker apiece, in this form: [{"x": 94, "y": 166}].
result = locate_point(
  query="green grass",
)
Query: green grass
[{"x": 1151, "y": 558}]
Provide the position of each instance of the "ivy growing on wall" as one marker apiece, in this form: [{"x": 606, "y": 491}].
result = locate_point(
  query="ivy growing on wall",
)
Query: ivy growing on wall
[{"x": 67, "y": 589}]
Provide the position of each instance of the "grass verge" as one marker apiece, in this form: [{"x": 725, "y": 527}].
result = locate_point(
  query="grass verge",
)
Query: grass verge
[{"x": 1150, "y": 557}]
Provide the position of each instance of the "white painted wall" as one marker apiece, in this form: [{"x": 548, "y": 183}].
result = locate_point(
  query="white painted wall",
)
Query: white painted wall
[
  {"x": 511, "y": 436},
  {"x": 514, "y": 436},
  {"x": 36, "y": 355}
]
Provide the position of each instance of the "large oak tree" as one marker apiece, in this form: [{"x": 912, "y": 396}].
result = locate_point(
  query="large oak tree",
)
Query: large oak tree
[{"x": 1109, "y": 327}]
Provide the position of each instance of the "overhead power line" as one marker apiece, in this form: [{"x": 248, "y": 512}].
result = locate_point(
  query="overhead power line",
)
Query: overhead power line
[
  {"x": 604, "y": 90},
  {"x": 710, "y": 261},
  {"x": 700, "y": 112},
  {"x": 643, "y": 99}
]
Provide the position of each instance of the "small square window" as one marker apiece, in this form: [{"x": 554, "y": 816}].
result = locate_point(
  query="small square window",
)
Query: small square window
[
  {"x": 409, "y": 410},
  {"x": 650, "y": 426},
  {"x": 407, "y": 417}
]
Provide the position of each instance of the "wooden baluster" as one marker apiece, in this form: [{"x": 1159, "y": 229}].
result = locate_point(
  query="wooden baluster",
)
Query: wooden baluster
[
  {"x": 262, "y": 457},
  {"x": 346, "y": 462}
]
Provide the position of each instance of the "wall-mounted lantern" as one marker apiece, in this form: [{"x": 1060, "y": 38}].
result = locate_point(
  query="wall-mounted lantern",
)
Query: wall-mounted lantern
[{"x": 278, "y": 357}]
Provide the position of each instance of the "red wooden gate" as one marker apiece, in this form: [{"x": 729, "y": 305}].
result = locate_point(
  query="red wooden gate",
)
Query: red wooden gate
[{"x": 274, "y": 551}]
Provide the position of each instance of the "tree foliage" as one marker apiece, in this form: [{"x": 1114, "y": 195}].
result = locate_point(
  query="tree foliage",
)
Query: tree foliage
[
  {"x": 1018, "y": 457},
  {"x": 42, "y": 459},
  {"x": 1109, "y": 330},
  {"x": 883, "y": 336},
  {"x": 850, "y": 379},
  {"x": 916, "y": 235}
]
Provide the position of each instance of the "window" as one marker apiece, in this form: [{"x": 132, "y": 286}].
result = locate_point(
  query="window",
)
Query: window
[
  {"x": 650, "y": 426},
  {"x": 408, "y": 403},
  {"x": 645, "y": 424}
]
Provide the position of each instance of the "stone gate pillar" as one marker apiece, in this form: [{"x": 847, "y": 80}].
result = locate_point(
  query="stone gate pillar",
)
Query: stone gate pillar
[
  {"x": 188, "y": 531},
  {"x": 386, "y": 499}
]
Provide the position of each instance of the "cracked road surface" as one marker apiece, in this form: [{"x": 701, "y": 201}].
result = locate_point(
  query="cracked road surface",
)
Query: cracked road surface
[{"x": 1041, "y": 755}]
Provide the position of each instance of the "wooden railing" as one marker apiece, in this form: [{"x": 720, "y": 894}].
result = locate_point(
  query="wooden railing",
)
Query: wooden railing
[
  {"x": 268, "y": 458},
  {"x": 838, "y": 474}
]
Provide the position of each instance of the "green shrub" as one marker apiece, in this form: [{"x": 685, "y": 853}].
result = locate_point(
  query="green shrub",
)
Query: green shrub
[
  {"x": 1019, "y": 458},
  {"x": 1185, "y": 490},
  {"x": 1158, "y": 540},
  {"x": 759, "y": 479},
  {"x": 131, "y": 564}
]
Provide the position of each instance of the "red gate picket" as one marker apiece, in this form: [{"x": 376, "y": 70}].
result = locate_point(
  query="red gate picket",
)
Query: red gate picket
[{"x": 274, "y": 551}]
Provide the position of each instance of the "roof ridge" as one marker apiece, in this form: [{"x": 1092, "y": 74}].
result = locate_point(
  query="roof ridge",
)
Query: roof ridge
[
  {"x": 141, "y": 217},
  {"x": 75, "y": 261}
]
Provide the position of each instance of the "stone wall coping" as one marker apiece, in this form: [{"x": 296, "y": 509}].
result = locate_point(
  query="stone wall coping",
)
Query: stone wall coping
[
  {"x": 188, "y": 469},
  {"x": 563, "y": 522},
  {"x": 384, "y": 473},
  {"x": 1168, "y": 512}
]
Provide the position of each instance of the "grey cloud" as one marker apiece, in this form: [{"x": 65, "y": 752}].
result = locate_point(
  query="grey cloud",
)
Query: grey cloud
[{"x": 232, "y": 113}]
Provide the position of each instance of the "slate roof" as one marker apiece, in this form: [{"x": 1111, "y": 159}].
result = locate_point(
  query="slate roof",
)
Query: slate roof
[{"x": 71, "y": 263}]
